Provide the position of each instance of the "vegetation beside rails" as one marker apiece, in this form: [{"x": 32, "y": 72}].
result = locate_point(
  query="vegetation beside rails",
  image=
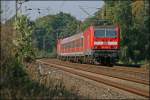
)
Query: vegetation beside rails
[
  {"x": 16, "y": 83},
  {"x": 44, "y": 54},
  {"x": 146, "y": 66},
  {"x": 142, "y": 64}
]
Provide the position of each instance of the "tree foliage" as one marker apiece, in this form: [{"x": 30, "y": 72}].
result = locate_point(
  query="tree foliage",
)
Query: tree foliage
[
  {"x": 52, "y": 27},
  {"x": 65, "y": 24},
  {"x": 23, "y": 43},
  {"x": 131, "y": 16}
]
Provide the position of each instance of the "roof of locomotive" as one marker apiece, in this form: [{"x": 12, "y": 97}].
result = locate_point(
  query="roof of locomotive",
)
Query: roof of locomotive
[{"x": 104, "y": 26}]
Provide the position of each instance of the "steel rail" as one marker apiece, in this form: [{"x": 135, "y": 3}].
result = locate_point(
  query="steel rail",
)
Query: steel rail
[
  {"x": 108, "y": 74},
  {"x": 130, "y": 70},
  {"x": 101, "y": 80}
]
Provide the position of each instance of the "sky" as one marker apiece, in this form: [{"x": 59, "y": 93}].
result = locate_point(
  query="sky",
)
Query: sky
[{"x": 52, "y": 7}]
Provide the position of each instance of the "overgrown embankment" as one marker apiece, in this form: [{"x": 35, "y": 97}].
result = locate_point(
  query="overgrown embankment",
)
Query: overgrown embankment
[{"x": 16, "y": 82}]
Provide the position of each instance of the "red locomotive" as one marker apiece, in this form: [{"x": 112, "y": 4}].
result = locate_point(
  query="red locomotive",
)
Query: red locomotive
[{"x": 96, "y": 44}]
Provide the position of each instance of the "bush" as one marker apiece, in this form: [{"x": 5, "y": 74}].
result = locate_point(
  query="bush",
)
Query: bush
[{"x": 17, "y": 84}]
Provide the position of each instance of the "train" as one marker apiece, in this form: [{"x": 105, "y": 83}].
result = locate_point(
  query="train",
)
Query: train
[{"x": 97, "y": 44}]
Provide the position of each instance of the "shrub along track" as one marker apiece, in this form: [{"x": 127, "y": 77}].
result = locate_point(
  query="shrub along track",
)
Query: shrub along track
[{"x": 81, "y": 70}]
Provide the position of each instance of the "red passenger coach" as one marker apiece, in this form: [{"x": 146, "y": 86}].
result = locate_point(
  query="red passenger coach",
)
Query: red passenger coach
[
  {"x": 71, "y": 46},
  {"x": 96, "y": 44}
]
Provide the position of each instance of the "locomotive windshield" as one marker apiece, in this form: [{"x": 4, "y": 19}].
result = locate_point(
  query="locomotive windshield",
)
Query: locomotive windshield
[{"x": 101, "y": 33}]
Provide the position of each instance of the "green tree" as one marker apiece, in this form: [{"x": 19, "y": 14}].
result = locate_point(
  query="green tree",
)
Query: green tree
[
  {"x": 52, "y": 27},
  {"x": 123, "y": 16},
  {"x": 133, "y": 19},
  {"x": 65, "y": 25},
  {"x": 43, "y": 33},
  {"x": 24, "y": 48},
  {"x": 146, "y": 29}
]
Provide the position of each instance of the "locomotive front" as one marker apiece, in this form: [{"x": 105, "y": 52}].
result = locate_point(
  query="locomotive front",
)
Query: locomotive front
[{"x": 106, "y": 44}]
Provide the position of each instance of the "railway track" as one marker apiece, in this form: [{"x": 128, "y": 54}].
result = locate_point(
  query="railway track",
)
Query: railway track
[
  {"x": 97, "y": 77},
  {"x": 138, "y": 77},
  {"x": 128, "y": 69}
]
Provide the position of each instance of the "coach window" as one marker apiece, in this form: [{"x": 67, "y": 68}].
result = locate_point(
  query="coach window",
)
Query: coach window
[
  {"x": 64, "y": 45},
  {"x": 61, "y": 47},
  {"x": 81, "y": 42},
  {"x": 70, "y": 44},
  {"x": 67, "y": 45},
  {"x": 77, "y": 43},
  {"x": 73, "y": 42}
]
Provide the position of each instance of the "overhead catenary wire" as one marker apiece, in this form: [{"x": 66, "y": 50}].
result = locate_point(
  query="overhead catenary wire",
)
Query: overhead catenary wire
[
  {"x": 84, "y": 10},
  {"x": 90, "y": 16},
  {"x": 38, "y": 9},
  {"x": 90, "y": 7}
]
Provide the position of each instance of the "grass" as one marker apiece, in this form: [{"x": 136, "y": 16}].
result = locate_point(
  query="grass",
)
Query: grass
[
  {"x": 44, "y": 54},
  {"x": 19, "y": 83}
]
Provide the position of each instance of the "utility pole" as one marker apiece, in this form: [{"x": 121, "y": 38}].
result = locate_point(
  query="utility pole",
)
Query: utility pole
[
  {"x": 16, "y": 5},
  {"x": 16, "y": 2}
]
